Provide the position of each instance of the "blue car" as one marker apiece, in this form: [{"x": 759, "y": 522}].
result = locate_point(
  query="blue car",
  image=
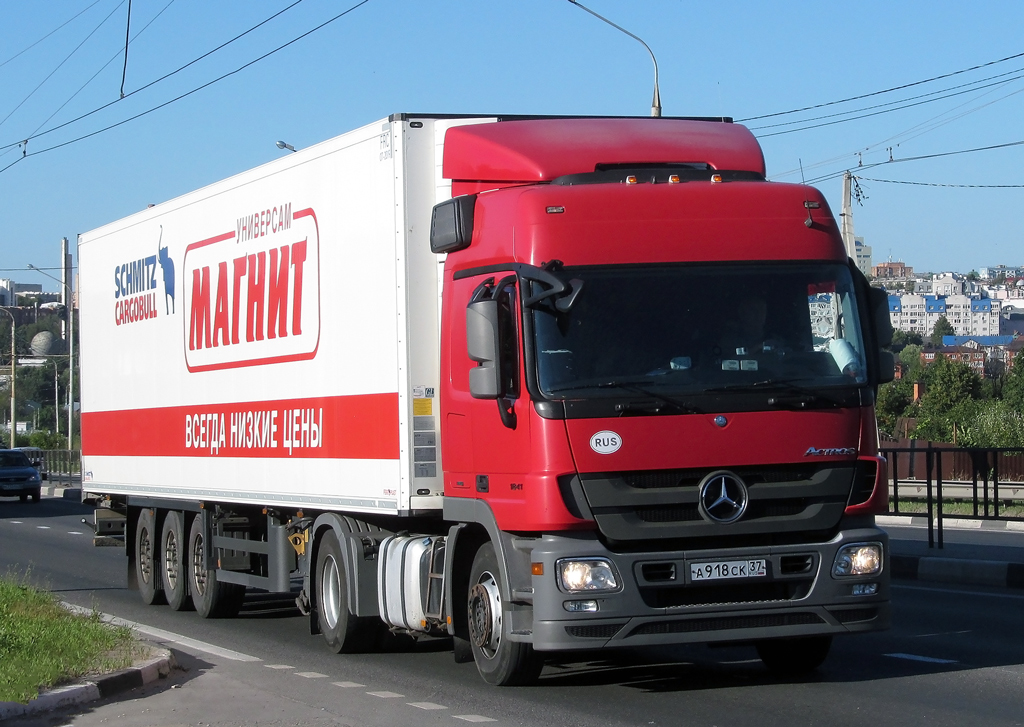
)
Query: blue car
[{"x": 18, "y": 476}]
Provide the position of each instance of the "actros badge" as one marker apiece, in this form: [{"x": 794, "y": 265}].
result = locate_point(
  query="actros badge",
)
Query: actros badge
[{"x": 605, "y": 442}]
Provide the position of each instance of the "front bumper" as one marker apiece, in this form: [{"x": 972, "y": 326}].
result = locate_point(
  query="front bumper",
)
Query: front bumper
[{"x": 798, "y": 597}]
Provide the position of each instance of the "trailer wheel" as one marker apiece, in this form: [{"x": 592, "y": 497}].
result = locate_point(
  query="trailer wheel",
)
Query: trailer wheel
[
  {"x": 173, "y": 559},
  {"x": 147, "y": 558},
  {"x": 793, "y": 656},
  {"x": 500, "y": 662},
  {"x": 343, "y": 632},
  {"x": 211, "y": 598}
]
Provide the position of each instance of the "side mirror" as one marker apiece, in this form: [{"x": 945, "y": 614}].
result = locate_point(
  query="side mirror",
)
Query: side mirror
[
  {"x": 879, "y": 301},
  {"x": 886, "y": 366},
  {"x": 482, "y": 344},
  {"x": 451, "y": 224}
]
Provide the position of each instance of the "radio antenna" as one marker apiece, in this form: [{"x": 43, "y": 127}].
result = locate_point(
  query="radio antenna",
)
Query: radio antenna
[{"x": 656, "y": 101}]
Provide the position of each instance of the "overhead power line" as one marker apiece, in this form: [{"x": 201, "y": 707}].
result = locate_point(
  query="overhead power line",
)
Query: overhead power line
[
  {"x": 164, "y": 77},
  {"x": 887, "y": 90},
  {"x": 921, "y": 157},
  {"x": 33, "y": 45},
  {"x": 936, "y": 184},
  {"x": 26, "y": 154}
]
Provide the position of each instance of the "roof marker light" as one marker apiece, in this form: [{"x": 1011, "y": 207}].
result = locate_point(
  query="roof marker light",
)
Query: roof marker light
[
  {"x": 716, "y": 178},
  {"x": 555, "y": 210},
  {"x": 673, "y": 179},
  {"x": 812, "y": 205},
  {"x": 631, "y": 179}
]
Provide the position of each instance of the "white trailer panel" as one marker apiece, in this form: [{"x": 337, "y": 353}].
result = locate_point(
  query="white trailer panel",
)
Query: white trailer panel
[{"x": 272, "y": 338}]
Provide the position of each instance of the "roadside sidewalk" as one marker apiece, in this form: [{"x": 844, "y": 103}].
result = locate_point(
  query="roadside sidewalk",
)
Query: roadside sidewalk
[{"x": 974, "y": 553}]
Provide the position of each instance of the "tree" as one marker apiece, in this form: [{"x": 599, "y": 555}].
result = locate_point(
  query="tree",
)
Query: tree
[
  {"x": 1013, "y": 384},
  {"x": 973, "y": 275},
  {"x": 893, "y": 400},
  {"x": 902, "y": 339},
  {"x": 942, "y": 328},
  {"x": 949, "y": 401}
]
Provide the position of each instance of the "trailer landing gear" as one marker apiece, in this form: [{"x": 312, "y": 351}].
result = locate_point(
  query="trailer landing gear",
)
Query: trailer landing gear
[{"x": 500, "y": 661}]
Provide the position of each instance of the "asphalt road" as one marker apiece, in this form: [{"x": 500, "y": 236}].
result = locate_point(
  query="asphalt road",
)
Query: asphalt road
[{"x": 953, "y": 657}]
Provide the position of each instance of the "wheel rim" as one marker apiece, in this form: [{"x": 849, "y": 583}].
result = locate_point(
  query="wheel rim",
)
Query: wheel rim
[
  {"x": 330, "y": 592},
  {"x": 145, "y": 556},
  {"x": 171, "y": 559},
  {"x": 198, "y": 571},
  {"x": 485, "y": 614}
]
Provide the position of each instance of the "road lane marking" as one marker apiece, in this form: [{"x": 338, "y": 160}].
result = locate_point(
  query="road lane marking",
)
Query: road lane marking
[
  {"x": 15, "y": 522},
  {"x": 74, "y": 532},
  {"x": 927, "y": 659},
  {"x": 42, "y": 527},
  {"x": 952, "y": 591},
  {"x": 279, "y": 666},
  {"x": 941, "y": 633},
  {"x": 347, "y": 685},
  {"x": 427, "y": 705},
  {"x": 161, "y": 635},
  {"x": 310, "y": 675},
  {"x": 385, "y": 695},
  {"x": 474, "y": 718}
]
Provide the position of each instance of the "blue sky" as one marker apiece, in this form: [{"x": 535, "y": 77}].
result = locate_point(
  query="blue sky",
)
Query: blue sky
[{"x": 740, "y": 59}]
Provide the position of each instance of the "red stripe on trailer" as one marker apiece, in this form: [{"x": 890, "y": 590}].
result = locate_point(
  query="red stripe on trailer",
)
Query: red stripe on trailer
[{"x": 346, "y": 427}]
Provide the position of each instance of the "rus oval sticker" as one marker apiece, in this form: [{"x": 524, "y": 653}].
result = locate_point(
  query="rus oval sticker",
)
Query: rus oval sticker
[{"x": 605, "y": 442}]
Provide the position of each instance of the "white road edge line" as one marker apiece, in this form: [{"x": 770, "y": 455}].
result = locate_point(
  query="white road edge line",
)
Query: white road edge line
[
  {"x": 1012, "y": 596},
  {"x": 161, "y": 635},
  {"x": 927, "y": 659}
]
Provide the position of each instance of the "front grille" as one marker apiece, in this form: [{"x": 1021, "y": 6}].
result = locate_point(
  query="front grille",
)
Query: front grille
[
  {"x": 597, "y": 631},
  {"x": 725, "y": 623},
  {"x": 732, "y": 593},
  {"x": 662, "y": 505}
]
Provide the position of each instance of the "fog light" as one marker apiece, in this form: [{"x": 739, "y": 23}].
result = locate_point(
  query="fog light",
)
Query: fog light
[
  {"x": 859, "y": 559},
  {"x": 865, "y": 589},
  {"x": 593, "y": 574},
  {"x": 580, "y": 606}
]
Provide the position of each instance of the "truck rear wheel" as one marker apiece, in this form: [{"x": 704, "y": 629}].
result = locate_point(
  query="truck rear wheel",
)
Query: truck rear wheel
[
  {"x": 797, "y": 655},
  {"x": 211, "y": 598},
  {"x": 173, "y": 559},
  {"x": 147, "y": 558},
  {"x": 343, "y": 632},
  {"x": 500, "y": 661}
]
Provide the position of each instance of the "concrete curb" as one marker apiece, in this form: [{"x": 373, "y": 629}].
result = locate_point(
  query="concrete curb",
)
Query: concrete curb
[
  {"x": 949, "y": 523},
  {"x": 961, "y": 571},
  {"x": 66, "y": 493},
  {"x": 93, "y": 689}
]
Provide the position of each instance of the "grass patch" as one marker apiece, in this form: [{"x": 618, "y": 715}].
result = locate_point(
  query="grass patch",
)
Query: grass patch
[
  {"x": 958, "y": 508},
  {"x": 43, "y": 645}
]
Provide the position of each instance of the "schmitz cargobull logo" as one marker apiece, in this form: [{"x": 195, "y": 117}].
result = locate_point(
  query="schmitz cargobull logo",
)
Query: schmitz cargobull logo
[{"x": 252, "y": 296}]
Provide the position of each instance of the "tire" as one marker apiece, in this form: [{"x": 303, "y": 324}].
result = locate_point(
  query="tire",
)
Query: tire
[
  {"x": 210, "y": 597},
  {"x": 36, "y": 495},
  {"x": 500, "y": 661},
  {"x": 147, "y": 559},
  {"x": 173, "y": 560},
  {"x": 798, "y": 655},
  {"x": 343, "y": 632}
]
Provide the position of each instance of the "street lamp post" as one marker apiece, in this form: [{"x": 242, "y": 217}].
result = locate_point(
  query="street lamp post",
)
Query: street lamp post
[
  {"x": 14, "y": 359},
  {"x": 71, "y": 352}
]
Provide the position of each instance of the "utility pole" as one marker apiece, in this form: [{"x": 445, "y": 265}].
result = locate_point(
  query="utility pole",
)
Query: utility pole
[
  {"x": 14, "y": 409},
  {"x": 846, "y": 217}
]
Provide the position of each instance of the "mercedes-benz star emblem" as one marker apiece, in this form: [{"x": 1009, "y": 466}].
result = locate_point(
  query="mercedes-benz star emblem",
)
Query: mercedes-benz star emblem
[{"x": 723, "y": 497}]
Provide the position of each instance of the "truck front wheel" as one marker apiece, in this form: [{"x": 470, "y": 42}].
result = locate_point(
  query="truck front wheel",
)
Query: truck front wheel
[
  {"x": 147, "y": 558},
  {"x": 343, "y": 632},
  {"x": 798, "y": 655},
  {"x": 211, "y": 597},
  {"x": 500, "y": 661},
  {"x": 173, "y": 558}
]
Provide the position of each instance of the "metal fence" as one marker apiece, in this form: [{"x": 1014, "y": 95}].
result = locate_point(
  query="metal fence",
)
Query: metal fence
[
  {"x": 987, "y": 480},
  {"x": 63, "y": 467}
]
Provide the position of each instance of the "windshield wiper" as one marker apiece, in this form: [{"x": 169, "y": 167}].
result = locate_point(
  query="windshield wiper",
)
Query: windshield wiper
[
  {"x": 793, "y": 396},
  {"x": 628, "y": 386}
]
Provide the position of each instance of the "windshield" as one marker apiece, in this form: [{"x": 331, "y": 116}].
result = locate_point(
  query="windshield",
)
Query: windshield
[
  {"x": 698, "y": 328},
  {"x": 13, "y": 459}
]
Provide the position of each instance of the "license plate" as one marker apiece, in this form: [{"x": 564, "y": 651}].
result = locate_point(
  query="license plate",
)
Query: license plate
[{"x": 720, "y": 569}]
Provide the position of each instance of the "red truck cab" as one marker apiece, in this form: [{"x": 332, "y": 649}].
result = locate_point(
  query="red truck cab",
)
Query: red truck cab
[{"x": 659, "y": 373}]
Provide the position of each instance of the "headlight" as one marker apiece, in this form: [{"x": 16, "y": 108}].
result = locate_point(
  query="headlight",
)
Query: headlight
[
  {"x": 592, "y": 574},
  {"x": 859, "y": 559}
]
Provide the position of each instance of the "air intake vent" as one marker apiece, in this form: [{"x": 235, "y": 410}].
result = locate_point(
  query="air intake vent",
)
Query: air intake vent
[
  {"x": 658, "y": 572},
  {"x": 597, "y": 631},
  {"x": 726, "y": 623}
]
